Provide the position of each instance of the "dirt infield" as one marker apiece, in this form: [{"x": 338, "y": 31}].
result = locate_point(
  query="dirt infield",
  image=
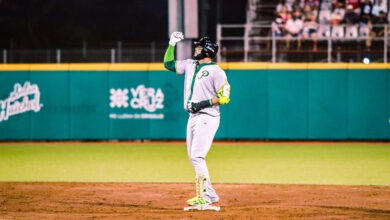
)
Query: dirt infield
[
  {"x": 215, "y": 142},
  {"x": 166, "y": 201}
]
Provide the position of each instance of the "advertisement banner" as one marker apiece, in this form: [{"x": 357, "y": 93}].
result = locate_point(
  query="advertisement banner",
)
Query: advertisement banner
[{"x": 276, "y": 104}]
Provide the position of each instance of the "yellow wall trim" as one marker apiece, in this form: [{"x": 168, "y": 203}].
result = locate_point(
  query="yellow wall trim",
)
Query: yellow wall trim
[
  {"x": 14, "y": 67},
  {"x": 160, "y": 66}
]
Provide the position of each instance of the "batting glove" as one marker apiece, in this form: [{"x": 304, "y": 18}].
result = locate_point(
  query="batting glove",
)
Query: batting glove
[
  {"x": 194, "y": 107},
  {"x": 176, "y": 37}
]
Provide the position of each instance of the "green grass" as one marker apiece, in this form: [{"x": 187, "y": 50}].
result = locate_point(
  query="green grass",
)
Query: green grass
[{"x": 347, "y": 164}]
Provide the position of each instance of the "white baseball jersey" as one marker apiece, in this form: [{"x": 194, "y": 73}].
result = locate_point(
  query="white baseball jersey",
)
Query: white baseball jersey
[{"x": 201, "y": 82}]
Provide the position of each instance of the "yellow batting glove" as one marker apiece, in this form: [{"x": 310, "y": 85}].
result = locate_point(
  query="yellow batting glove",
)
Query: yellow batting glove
[{"x": 223, "y": 100}]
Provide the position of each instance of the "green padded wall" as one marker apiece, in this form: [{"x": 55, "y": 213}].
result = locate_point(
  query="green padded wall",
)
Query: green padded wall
[{"x": 277, "y": 104}]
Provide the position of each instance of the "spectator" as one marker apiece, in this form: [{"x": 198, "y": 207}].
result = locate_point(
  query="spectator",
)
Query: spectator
[
  {"x": 351, "y": 19},
  {"x": 310, "y": 30},
  {"x": 337, "y": 15},
  {"x": 366, "y": 11},
  {"x": 282, "y": 4},
  {"x": 290, "y": 3},
  {"x": 355, "y": 4},
  {"x": 293, "y": 27},
  {"x": 335, "y": 3},
  {"x": 276, "y": 30},
  {"x": 277, "y": 27},
  {"x": 377, "y": 7},
  {"x": 344, "y": 3},
  {"x": 299, "y": 14},
  {"x": 365, "y": 18},
  {"x": 297, "y": 6},
  {"x": 308, "y": 12},
  {"x": 284, "y": 14},
  {"x": 378, "y": 29},
  {"x": 312, "y": 3}
]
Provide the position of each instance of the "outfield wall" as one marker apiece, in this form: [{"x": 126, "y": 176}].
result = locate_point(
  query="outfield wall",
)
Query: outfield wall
[{"x": 143, "y": 101}]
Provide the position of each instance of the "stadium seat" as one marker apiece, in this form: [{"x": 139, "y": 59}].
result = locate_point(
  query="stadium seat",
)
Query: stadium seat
[
  {"x": 324, "y": 31},
  {"x": 351, "y": 31},
  {"x": 364, "y": 31},
  {"x": 324, "y": 16},
  {"x": 337, "y": 31}
]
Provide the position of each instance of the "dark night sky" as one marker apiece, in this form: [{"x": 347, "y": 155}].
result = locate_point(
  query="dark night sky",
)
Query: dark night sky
[{"x": 66, "y": 23}]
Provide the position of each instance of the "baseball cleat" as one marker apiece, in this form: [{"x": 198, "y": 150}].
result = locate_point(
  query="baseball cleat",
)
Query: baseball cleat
[
  {"x": 197, "y": 201},
  {"x": 204, "y": 207}
]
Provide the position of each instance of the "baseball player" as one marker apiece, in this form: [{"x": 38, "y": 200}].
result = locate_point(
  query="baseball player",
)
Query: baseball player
[{"x": 205, "y": 88}]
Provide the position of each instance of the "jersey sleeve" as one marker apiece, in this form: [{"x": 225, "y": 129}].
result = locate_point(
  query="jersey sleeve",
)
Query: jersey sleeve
[
  {"x": 220, "y": 79},
  {"x": 169, "y": 59},
  {"x": 174, "y": 65},
  {"x": 181, "y": 66}
]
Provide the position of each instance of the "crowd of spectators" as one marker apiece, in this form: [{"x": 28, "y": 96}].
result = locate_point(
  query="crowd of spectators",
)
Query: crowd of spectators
[{"x": 301, "y": 19}]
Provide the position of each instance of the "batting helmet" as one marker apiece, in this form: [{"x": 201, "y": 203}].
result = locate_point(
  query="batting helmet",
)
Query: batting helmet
[{"x": 209, "y": 47}]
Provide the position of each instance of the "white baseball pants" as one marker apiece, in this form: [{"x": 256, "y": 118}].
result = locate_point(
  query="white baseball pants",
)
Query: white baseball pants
[{"x": 201, "y": 129}]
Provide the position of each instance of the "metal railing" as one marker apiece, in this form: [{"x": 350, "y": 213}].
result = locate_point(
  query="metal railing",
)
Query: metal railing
[
  {"x": 248, "y": 43},
  {"x": 124, "y": 53},
  {"x": 251, "y": 42}
]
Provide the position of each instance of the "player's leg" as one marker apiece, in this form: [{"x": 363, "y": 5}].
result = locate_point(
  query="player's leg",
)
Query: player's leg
[
  {"x": 199, "y": 202},
  {"x": 199, "y": 179},
  {"x": 205, "y": 127},
  {"x": 189, "y": 136}
]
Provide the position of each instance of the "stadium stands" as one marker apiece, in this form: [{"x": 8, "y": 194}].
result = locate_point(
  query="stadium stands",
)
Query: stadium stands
[{"x": 331, "y": 29}]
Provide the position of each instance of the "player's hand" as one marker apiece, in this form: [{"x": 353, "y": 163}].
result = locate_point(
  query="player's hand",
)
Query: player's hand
[
  {"x": 193, "y": 107},
  {"x": 176, "y": 37}
]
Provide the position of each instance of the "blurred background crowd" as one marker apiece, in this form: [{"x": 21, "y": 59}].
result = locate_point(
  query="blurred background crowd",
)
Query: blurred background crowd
[
  {"x": 338, "y": 18},
  {"x": 122, "y": 31}
]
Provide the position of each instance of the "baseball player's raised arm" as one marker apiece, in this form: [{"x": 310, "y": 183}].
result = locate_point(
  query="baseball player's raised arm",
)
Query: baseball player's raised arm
[{"x": 169, "y": 58}]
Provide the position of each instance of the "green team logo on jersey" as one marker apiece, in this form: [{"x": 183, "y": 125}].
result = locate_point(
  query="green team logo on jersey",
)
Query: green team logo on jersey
[{"x": 205, "y": 73}]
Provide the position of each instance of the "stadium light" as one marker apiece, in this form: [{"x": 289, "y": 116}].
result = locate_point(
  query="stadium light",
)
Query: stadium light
[{"x": 366, "y": 60}]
